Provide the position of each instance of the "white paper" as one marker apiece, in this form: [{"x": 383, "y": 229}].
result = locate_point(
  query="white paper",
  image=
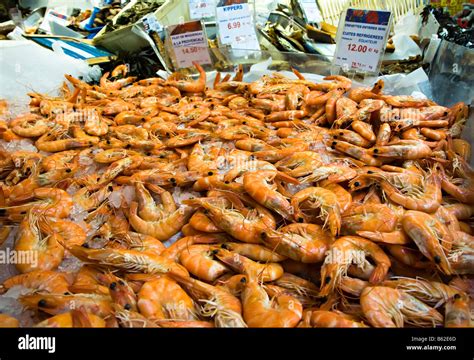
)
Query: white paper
[
  {"x": 405, "y": 47},
  {"x": 199, "y": 9},
  {"x": 311, "y": 11},
  {"x": 236, "y": 27},
  {"x": 431, "y": 50},
  {"x": 430, "y": 28},
  {"x": 408, "y": 24}
]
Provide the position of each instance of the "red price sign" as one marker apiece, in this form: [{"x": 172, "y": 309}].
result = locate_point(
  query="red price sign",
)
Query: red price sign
[
  {"x": 233, "y": 25},
  {"x": 357, "y": 48}
]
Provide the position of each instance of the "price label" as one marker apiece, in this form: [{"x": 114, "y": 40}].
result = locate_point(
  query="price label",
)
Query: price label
[
  {"x": 362, "y": 40},
  {"x": 199, "y": 9},
  {"x": 189, "y": 44},
  {"x": 311, "y": 11},
  {"x": 151, "y": 23},
  {"x": 236, "y": 27}
]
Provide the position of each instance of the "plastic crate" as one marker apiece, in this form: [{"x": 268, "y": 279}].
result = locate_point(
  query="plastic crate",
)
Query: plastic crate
[{"x": 125, "y": 39}]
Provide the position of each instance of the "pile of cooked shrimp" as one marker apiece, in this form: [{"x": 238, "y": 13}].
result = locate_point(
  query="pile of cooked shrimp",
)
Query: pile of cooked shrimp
[{"x": 281, "y": 202}]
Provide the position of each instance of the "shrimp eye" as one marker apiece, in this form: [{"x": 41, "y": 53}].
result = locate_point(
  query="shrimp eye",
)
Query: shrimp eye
[
  {"x": 457, "y": 296},
  {"x": 23, "y": 213},
  {"x": 127, "y": 306},
  {"x": 357, "y": 184},
  {"x": 68, "y": 170},
  {"x": 42, "y": 303},
  {"x": 113, "y": 285},
  {"x": 121, "y": 283},
  {"x": 214, "y": 252},
  {"x": 376, "y": 151},
  {"x": 334, "y": 143},
  {"x": 341, "y": 133},
  {"x": 244, "y": 122},
  {"x": 445, "y": 113},
  {"x": 437, "y": 259},
  {"x": 263, "y": 235},
  {"x": 110, "y": 188},
  {"x": 148, "y": 154},
  {"x": 162, "y": 156},
  {"x": 210, "y": 173},
  {"x": 243, "y": 280},
  {"x": 225, "y": 246},
  {"x": 226, "y": 182},
  {"x": 300, "y": 220},
  {"x": 128, "y": 146},
  {"x": 107, "y": 142},
  {"x": 370, "y": 172},
  {"x": 173, "y": 180},
  {"x": 85, "y": 245},
  {"x": 327, "y": 279}
]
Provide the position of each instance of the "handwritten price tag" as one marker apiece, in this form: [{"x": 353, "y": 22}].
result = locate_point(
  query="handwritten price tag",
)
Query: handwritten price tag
[
  {"x": 199, "y": 9},
  {"x": 190, "y": 46},
  {"x": 363, "y": 39},
  {"x": 236, "y": 27},
  {"x": 311, "y": 11}
]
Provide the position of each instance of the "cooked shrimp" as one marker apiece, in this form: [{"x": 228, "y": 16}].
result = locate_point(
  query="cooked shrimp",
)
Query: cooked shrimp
[
  {"x": 73, "y": 319},
  {"x": 130, "y": 260},
  {"x": 387, "y": 307},
  {"x": 431, "y": 236},
  {"x": 219, "y": 304},
  {"x": 307, "y": 243},
  {"x": 261, "y": 311},
  {"x": 41, "y": 253},
  {"x": 163, "y": 298},
  {"x": 343, "y": 252},
  {"x": 39, "y": 280},
  {"x": 332, "y": 319},
  {"x": 161, "y": 229},
  {"x": 324, "y": 200},
  {"x": 457, "y": 313},
  {"x": 199, "y": 261},
  {"x": 241, "y": 264}
]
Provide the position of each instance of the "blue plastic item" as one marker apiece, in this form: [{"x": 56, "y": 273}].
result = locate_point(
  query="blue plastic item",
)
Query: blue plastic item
[{"x": 89, "y": 26}]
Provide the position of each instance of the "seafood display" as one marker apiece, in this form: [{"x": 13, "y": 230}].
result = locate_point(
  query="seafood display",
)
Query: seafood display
[
  {"x": 276, "y": 203},
  {"x": 131, "y": 14}
]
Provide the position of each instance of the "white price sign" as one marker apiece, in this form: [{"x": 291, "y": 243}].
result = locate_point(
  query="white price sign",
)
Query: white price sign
[
  {"x": 236, "y": 27},
  {"x": 311, "y": 11},
  {"x": 190, "y": 47},
  {"x": 151, "y": 23},
  {"x": 363, "y": 39},
  {"x": 199, "y": 9}
]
